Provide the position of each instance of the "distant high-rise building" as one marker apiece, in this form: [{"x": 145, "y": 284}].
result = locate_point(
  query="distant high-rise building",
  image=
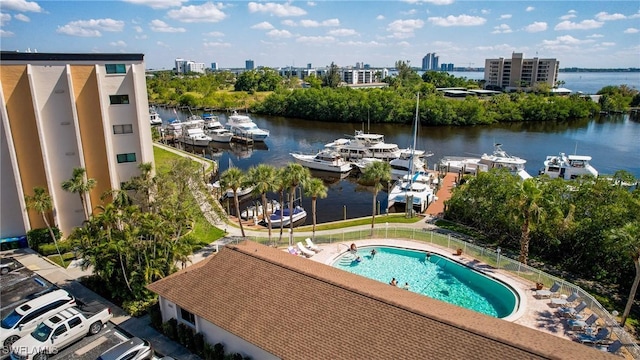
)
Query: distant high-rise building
[
  {"x": 249, "y": 65},
  {"x": 446, "y": 67},
  {"x": 430, "y": 62},
  {"x": 185, "y": 66},
  {"x": 309, "y": 66},
  {"x": 518, "y": 72},
  {"x": 214, "y": 66}
]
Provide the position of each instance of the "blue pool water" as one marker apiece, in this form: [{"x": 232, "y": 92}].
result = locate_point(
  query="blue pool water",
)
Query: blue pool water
[{"x": 437, "y": 278}]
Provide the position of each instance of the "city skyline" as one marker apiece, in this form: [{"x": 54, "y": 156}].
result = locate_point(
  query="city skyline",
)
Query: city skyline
[{"x": 589, "y": 34}]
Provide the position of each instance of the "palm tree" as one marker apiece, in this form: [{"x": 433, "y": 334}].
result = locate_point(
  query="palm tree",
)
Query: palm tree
[
  {"x": 280, "y": 186},
  {"x": 41, "y": 202},
  {"x": 316, "y": 189},
  {"x": 528, "y": 212},
  {"x": 293, "y": 175},
  {"x": 233, "y": 178},
  {"x": 78, "y": 185},
  {"x": 376, "y": 173},
  {"x": 627, "y": 239},
  {"x": 263, "y": 177}
]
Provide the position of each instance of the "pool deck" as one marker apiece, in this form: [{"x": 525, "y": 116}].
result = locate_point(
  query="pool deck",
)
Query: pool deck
[{"x": 533, "y": 313}]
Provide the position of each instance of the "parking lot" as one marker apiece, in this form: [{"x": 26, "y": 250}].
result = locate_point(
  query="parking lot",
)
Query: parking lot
[{"x": 21, "y": 284}]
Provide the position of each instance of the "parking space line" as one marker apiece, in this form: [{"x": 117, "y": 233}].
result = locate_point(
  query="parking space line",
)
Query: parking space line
[
  {"x": 121, "y": 336},
  {"x": 85, "y": 349}
]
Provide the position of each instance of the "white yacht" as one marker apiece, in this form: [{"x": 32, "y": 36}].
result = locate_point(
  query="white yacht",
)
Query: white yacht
[
  {"x": 242, "y": 125},
  {"x": 154, "y": 117},
  {"x": 498, "y": 159},
  {"x": 325, "y": 160},
  {"x": 364, "y": 145},
  {"x": 568, "y": 167},
  {"x": 409, "y": 161},
  {"x": 216, "y": 130},
  {"x": 364, "y": 162},
  {"x": 195, "y": 136},
  {"x": 282, "y": 217},
  {"x": 258, "y": 209},
  {"x": 412, "y": 189}
]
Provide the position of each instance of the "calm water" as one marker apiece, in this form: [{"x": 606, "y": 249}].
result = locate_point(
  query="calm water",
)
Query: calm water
[
  {"x": 612, "y": 141},
  {"x": 437, "y": 278}
]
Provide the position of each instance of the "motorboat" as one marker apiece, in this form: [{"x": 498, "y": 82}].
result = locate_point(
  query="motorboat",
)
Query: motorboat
[
  {"x": 364, "y": 162},
  {"x": 242, "y": 125},
  {"x": 154, "y": 117},
  {"x": 326, "y": 160},
  {"x": 257, "y": 210},
  {"x": 173, "y": 128},
  {"x": 208, "y": 117},
  {"x": 363, "y": 145},
  {"x": 568, "y": 167},
  {"x": 228, "y": 193},
  {"x": 409, "y": 161},
  {"x": 498, "y": 159},
  {"x": 195, "y": 137},
  {"x": 216, "y": 130},
  {"x": 281, "y": 217}
]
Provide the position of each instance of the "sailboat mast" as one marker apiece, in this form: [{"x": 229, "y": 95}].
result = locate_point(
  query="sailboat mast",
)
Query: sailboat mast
[{"x": 415, "y": 136}]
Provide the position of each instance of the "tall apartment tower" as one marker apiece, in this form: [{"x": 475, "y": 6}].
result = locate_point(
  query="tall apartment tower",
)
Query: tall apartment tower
[
  {"x": 518, "y": 72},
  {"x": 65, "y": 111},
  {"x": 248, "y": 65},
  {"x": 430, "y": 62}
]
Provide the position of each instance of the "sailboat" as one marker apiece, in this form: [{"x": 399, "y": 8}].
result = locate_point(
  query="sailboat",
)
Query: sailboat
[{"x": 415, "y": 187}]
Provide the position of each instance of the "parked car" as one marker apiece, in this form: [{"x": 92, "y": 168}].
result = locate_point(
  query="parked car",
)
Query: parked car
[
  {"x": 59, "y": 331},
  {"x": 132, "y": 349},
  {"x": 24, "y": 318},
  {"x": 8, "y": 264}
]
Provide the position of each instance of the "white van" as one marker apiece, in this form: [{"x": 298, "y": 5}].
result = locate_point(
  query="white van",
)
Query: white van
[{"x": 24, "y": 318}]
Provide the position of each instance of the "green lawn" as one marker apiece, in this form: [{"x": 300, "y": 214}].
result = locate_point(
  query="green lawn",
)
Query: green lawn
[{"x": 163, "y": 158}]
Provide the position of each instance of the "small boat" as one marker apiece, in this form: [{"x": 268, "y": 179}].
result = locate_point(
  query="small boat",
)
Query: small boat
[
  {"x": 242, "y": 125},
  {"x": 228, "y": 194},
  {"x": 407, "y": 162},
  {"x": 194, "y": 136},
  {"x": 154, "y": 117},
  {"x": 220, "y": 135},
  {"x": 326, "y": 160},
  {"x": 258, "y": 209},
  {"x": 282, "y": 217},
  {"x": 568, "y": 167}
]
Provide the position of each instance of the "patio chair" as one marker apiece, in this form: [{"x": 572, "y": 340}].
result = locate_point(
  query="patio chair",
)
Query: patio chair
[
  {"x": 306, "y": 252},
  {"x": 292, "y": 250},
  {"x": 577, "y": 325},
  {"x": 572, "y": 312},
  {"x": 612, "y": 348},
  {"x": 311, "y": 245},
  {"x": 556, "y": 302},
  {"x": 546, "y": 294},
  {"x": 600, "y": 336}
]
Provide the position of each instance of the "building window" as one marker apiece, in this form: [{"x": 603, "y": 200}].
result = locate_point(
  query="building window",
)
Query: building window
[
  {"x": 125, "y": 158},
  {"x": 123, "y": 129},
  {"x": 187, "y": 317},
  {"x": 116, "y": 68},
  {"x": 119, "y": 99}
]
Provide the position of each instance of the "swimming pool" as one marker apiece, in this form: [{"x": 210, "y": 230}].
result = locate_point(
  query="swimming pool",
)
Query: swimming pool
[{"x": 438, "y": 278}]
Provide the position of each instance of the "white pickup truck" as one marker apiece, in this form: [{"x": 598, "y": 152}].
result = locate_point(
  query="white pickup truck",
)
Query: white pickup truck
[{"x": 59, "y": 331}]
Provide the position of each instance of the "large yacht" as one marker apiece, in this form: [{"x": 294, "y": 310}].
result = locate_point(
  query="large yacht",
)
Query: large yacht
[
  {"x": 498, "y": 159},
  {"x": 242, "y": 125},
  {"x": 365, "y": 145},
  {"x": 326, "y": 160},
  {"x": 568, "y": 167},
  {"x": 408, "y": 162}
]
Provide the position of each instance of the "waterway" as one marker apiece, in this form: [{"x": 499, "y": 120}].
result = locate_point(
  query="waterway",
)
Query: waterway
[{"x": 612, "y": 141}]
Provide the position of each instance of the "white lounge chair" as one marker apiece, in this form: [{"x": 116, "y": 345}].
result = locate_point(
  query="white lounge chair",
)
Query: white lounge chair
[
  {"x": 546, "y": 294},
  {"x": 311, "y": 245},
  {"x": 304, "y": 250},
  {"x": 576, "y": 324},
  {"x": 556, "y": 302}
]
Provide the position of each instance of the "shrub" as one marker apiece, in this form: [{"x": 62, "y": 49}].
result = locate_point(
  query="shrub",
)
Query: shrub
[
  {"x": 155, "y": 316},
  {"x": 199, "y": 344},
  {"x": 185, "y": 336},
  {"x": 37, "y": 237},
  {"x": 170, "y": 328},
  {"x": 50, "y": 249},
  {"x": 138, "y": 308},
  {"x": 218, "y": 352}
]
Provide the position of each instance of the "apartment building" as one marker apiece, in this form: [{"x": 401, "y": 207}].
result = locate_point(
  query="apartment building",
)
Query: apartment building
[
  {"x": 63, "y": 111},
  {"x": 520, "y": 73},
  {"x": 187, "y": 66}
]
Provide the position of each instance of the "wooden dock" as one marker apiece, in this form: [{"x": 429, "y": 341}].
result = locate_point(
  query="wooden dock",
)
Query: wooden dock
[
  {"x": 242, "y": 139},
  {"x": 447, "y": 184}
]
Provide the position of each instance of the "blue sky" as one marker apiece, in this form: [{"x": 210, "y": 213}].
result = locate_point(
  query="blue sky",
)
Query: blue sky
[{"x": 278, "y": 34}]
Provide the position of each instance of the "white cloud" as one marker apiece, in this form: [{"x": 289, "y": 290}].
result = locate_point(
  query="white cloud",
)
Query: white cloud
[
  {"x": 118, "y": 43},
  {"x": 567, "y": 16},
  {"x": 434, "y": 2},
  {"x": 536, "y": 27},
  {"x": 138, "y": 29},
  {"x": 635, "y": 16},
  {"x": 21, "y": 5},
  {"x": 214, "y": 34},
  {"x": 265, "y": 25},
  {"x": 157, "y": 4},
  {"x": 405, "y": 26},
  {"x": 404, "y": 44},
  {"x": 502, "y": 29},
  {"x": 288, "y": 22},
  {"x": 275, "y": 33},
  {"x": 90, "y": 28},
  {"x": 631, "y": 31},
  {"x": 342, "y": 32},
  {"x": 564, "y": 41},
  {"x": 410, "y": 12},
  {"x": 311, "y": 3},
  {"x": 4, "y": 19},
  {"x": 313, "y": 23},
  {"x": 141, "y": 37},
  {"x": 160, "y": 43},
  {"x": 495, "y": 48},
  {"x": 462, "y": 20},
  {"x": 529, "y": 8},
  {"x": 22, "y": 17},
  {"x": 368, "y": 44},
  {"x": 380, "y": 17},
  {"x": 4, "y": 33},
  {"x": 505, "y": 16},
  {"x": 485, "y": 12},
  {"x": 275, "y": 9},
  {"x": 604, "y": 16},
  {"x": 608, "y": 44},
  {"x": 216, "y": 44},
  {"x": 161, "y": 26},
  {"x": 583, "y": 25},
  {"x": 316, "y": 39},
  {"x": 594, "y": 36},
  {"x": 207, "y": 12}
]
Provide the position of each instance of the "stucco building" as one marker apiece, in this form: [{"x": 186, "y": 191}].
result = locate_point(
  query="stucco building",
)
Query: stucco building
[{"x": 520, "y": 73}]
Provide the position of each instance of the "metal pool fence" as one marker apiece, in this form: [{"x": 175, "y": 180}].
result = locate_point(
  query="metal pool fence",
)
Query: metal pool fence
[{"x": 448, "y": 240}]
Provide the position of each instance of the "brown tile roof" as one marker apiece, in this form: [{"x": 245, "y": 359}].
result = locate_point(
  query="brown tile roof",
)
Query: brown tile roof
[{"x": 296, "y": 308}]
